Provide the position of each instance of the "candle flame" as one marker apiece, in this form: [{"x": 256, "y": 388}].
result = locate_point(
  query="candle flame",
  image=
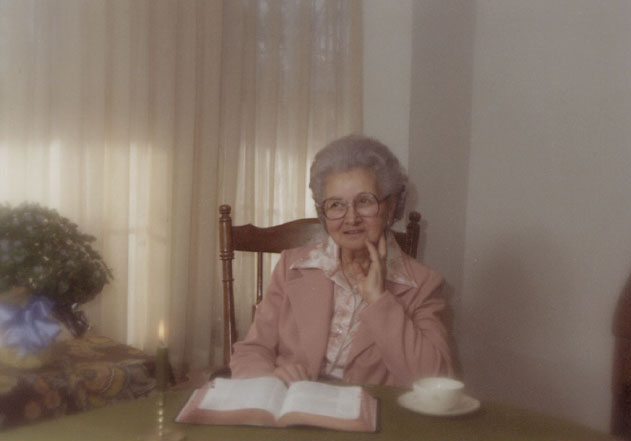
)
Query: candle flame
[{"x": 161, "y": 331}]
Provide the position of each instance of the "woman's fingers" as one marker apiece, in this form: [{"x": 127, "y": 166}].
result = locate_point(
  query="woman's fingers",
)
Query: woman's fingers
[
  {"x": 291, "y": 373},
  {"x": 302, "y": 373},
  {"x": 358, "y": 271},
  {"x": 284, "y": 375},
  {"x": 382, "y": 247},
  {"x": 368, "y": 275},
  {"x": 377, "y": 257},
  {"x": 374, "y": 254},
  {"x": 373, "y": 285}
]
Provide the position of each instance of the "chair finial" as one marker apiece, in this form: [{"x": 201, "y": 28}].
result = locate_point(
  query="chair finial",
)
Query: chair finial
[{"x": 224, "y": 210}]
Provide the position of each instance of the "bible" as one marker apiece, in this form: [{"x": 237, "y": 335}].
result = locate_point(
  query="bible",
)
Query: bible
[{"x": 267, "y": 401}]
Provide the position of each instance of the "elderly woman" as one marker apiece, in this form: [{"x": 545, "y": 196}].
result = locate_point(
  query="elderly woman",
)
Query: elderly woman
[{"x": 354, "y": 308}]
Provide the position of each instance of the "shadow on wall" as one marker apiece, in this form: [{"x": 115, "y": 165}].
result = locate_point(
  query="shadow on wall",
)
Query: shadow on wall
[
  {"x": 517, "y": 340},
  {"x": 621, "y": 409},
  {"x": 449, "y": 318},
  {"x": 448, "y": 315}
]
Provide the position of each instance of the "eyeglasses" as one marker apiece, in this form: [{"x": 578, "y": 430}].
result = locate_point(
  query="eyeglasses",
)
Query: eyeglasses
[{"x": 365, "y": 205}]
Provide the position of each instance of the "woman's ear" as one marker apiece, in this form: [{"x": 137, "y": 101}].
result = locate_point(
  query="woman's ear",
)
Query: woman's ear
[{"x": 392, "y": 208}]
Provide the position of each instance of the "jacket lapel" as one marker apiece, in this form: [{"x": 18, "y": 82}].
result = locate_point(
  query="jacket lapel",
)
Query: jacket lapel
[
  {"x": 311, "y": 298},
  {"x": 362, "y": 338}
]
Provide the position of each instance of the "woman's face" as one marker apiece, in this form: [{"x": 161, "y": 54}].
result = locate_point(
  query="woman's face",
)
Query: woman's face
[{"x": 351, "y": 231}]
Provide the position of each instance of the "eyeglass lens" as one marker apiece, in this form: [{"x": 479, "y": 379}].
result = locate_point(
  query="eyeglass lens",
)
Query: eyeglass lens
[{"x": 365, "y": 204}]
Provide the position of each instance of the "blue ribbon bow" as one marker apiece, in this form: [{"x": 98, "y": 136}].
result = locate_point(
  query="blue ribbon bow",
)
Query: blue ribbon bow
[{"x": 28, "y": 328}]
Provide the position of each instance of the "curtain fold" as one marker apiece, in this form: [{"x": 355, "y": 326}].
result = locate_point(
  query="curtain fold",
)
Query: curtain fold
[{"x": 137, "y": 119}]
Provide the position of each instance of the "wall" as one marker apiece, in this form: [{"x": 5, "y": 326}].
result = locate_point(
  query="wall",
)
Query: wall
[
  {"x": 387, "y": 72},
  {"x": 520, "y": 145},
  {"x": 440, "y": 130}
]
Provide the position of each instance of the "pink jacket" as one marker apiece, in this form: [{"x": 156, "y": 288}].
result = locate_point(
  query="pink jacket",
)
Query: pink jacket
[{"x": 400, "y": 337}]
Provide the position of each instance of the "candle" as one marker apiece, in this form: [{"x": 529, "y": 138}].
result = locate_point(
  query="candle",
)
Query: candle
[{"x": 162, "y": 360}]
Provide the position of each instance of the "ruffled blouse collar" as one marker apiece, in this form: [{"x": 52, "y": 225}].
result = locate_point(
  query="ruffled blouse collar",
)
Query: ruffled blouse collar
[{"x": 326, "y": 257}]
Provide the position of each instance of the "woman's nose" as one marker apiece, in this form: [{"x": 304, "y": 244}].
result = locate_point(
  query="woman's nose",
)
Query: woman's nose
[{"x": 352, "y": 217}]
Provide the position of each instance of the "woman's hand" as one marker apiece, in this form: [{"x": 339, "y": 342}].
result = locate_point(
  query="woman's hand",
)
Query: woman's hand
[
  {"x": 371, "y": 279},
  {"x": 291, "y": 373}
]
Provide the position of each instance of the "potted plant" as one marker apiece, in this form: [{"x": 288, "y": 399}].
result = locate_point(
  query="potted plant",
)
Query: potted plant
[{"x": 46, "y": 254}]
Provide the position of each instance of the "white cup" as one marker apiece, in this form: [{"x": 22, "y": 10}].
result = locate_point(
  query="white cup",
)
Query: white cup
[{"x": 438, "y": 394}]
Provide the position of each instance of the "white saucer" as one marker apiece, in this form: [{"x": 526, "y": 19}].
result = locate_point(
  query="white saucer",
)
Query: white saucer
[{"x": 467, "y": 405}]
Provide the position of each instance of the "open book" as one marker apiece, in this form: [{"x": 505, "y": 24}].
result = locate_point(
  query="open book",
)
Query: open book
[{"x": 267, "y": 401}]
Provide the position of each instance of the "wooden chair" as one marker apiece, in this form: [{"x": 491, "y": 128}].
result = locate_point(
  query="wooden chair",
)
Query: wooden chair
[
  {"x": 621, "y": 381},
  {"x": 274, "y": 240}
]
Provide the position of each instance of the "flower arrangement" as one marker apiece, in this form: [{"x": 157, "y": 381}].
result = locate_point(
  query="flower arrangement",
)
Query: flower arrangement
[{"x": 46, "y": 253}]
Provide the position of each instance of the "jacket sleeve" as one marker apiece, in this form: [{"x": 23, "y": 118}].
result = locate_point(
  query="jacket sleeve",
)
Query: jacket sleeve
[
  {"x": 411, "y": 337},
  {"x": 256, "y": 354}
]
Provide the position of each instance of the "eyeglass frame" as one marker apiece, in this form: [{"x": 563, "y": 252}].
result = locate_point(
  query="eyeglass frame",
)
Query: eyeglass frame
[{"x": 347, "y": 205}]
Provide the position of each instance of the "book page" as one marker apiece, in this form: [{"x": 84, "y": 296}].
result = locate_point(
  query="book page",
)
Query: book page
[
  {"x": 265, "y": 393},
  {"x": 323, "y": 399}
]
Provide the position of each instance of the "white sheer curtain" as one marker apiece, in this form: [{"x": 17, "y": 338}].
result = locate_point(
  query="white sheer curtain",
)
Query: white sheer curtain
[{"x": 137, "y": 118}]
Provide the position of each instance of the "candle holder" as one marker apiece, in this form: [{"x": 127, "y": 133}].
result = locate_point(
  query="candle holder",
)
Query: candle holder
[
  {"x": 164, "y": 433},
  {"x": 163, "y": 372}
]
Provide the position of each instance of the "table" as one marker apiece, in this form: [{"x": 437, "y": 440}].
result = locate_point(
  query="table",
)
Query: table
[{"x": 133, "y": 420}]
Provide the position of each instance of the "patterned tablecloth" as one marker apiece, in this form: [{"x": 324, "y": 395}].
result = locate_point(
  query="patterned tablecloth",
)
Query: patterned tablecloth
[{"x": 84, "y": 373}]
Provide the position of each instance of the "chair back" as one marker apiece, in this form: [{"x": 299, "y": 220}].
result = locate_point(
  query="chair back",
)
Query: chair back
[
  {"x": 621, "y": 381},
  {"x": 275, "y": 239}
]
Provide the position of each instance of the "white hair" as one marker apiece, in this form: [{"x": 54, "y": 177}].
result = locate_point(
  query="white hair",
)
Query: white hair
[{"x": 355, "y": 151}]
